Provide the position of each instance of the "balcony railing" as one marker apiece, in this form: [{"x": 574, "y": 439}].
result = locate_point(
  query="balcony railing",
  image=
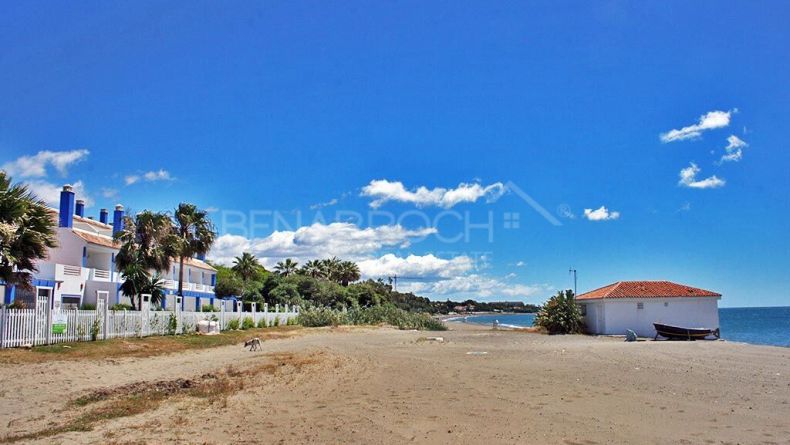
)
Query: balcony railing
[{"x": 100, "y": 275}]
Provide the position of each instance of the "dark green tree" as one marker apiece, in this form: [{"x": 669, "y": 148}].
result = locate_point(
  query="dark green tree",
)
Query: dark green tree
[{"x": 27, "y": 232}]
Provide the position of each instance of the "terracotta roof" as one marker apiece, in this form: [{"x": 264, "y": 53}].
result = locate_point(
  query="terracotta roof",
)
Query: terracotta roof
[
  {"x": 55, "y": 214},
  {"x": 106, "y": 241},
  {"x": 100, "y": 240},
  {"x": 646, "y": 289}
]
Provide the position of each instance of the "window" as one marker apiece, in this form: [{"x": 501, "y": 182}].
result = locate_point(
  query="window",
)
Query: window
[
  {"x": 640, "y": 305},
  {"x": 583, "y": 309}
]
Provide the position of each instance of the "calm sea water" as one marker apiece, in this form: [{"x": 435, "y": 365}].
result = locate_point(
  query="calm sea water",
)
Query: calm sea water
[{"x": 758, "y": 325}]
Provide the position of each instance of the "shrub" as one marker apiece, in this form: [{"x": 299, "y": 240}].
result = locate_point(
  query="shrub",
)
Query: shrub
[
  {"x": 88, "y": 307},
  {"x": 247, "y": 323},
  {"x": 233, "y": 324},
  {"x": 262, "y": 323},
  {"x": 276, "y": 321},
  {"x": 208, "y": 308},
  {"x": 121, "y": 307},
  {"x": 172, "y": 324},
  {"x": 385, "y": 314},
  {"x": 561, "y": 315}
]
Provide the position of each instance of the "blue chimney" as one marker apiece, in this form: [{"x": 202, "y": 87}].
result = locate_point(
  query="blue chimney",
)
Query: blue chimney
[
  {"x": 80, "y": 208},
  {"x": 201, "y": 257},
  {"x": 103, "y": 216},
  {"x": 66, "y": 211},
  {"x": 117, "y": 219}
]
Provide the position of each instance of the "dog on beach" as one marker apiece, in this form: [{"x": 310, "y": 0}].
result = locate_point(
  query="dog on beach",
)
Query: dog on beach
[{"x": 254, "y": 344}]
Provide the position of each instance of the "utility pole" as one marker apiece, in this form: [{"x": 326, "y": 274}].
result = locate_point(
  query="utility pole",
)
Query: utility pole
[{"x": 573, "y": 271}]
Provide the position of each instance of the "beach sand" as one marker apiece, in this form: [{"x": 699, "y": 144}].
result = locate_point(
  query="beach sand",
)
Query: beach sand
[{"x": 380, "y": 385}]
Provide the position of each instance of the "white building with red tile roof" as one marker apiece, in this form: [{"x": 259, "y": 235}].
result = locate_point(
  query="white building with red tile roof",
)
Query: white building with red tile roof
[
  {"x": 82, "y": 268},
  {"x": 636, "y": 305}
]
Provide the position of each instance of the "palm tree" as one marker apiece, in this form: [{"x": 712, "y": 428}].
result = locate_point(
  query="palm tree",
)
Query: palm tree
[
  {"x": 287, "y": 267},
  {"x": 27, "y": 232},
  {"x": 332, "y": 268},
  {"x": 314, "y": 268},
  {"x": 348, "y": 272},
  {"x": 246, "y": 266},
  {"x": 147, "y": 243},
  {"x": 194, "y": 234}
]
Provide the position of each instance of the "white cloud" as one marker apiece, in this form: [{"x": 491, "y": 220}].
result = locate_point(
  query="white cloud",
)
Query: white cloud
[
  {"x": 601, "y": 214},
  {"x": 734, "y": 149},
  {"x": 343, "y": 240},
  {"x": 50, "y": 193},
  {"x": 688, "y": 178},
  {"x": 321, "y": 205},
  {"x": 521, "y": 264},
  {"x": 151, "y": 176},
  {"x": 109, "y": 192},
  {"x": 383, "y": 191},
  {"x": 36, "y": 166},
  {"x": 708, "y": 121},
  {"x": 475, "y": 286},
  {"x": 415, "y": 266}
]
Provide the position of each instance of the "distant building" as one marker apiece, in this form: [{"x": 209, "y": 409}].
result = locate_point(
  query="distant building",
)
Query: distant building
[
  {"x": 636, "y": 305},
  {"x": 82, "y": 267}
]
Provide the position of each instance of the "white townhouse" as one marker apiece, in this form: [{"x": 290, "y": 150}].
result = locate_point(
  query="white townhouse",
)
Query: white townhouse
[
  {"x": 636, "y": 305},
  {"x": 82, "y": 268}
]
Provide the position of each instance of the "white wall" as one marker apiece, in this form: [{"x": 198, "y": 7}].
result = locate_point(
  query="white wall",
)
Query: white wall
[{"x": 622, "y": 314}]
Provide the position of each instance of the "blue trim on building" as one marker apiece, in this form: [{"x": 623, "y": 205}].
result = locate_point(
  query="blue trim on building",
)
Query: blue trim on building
[
  {"x": 84, "y": 256},
  {"x": 44, "y": 283},
  {"x": 10, "y": 294},
  {"x": 117, "y": 220},
  {"x": 66, "y": 210}
]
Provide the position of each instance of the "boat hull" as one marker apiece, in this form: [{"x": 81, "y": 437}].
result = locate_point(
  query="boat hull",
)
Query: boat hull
[{"x": 682, "y": 333}]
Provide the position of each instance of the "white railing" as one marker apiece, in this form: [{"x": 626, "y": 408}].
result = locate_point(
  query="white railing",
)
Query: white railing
[
  {"x": 34, "y": 327},
  {"x": 100, "y": 275},
  {"x": 171, "y": 284},
  {"x": 198, "y": 287}
]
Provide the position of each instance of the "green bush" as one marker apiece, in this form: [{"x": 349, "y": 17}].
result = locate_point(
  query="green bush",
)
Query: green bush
[
  {"x": 321, "y": 316},
  {"x": 233, "y": 324},
  {"x": 561, "y": 315},
  {"x": 385, "y": 314},
  {"x": 172, "y": 324},
  {"x": 208, "y": 308},
  {"x": 276, "y": 321},
  {"x": 262, "y": 323},
  {"x": 88, "y": 307},
  {"x": 121, "y": 307},
  {"x": 247, "y": 323}
]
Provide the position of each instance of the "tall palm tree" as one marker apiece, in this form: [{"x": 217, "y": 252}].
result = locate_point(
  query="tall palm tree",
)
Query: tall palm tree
[
  {"x": 287, "y": 267},
  {"x": 147, "y": 243},
  {"x": 194, "y": 233},
  {"x": 27, "y": 232},
  {"x": 349, "y": 272},
  {"x": 332, "y": 268},
  {"x": 246, "y": 265},
  {"x": 314, "y": 268}
]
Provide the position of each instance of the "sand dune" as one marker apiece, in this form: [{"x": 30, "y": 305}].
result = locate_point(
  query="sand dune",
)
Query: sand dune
[{"x": 389, "y": 386}]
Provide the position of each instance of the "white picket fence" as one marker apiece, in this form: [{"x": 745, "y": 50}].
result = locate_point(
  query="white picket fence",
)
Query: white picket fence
[{"x": 21, "y": 327}]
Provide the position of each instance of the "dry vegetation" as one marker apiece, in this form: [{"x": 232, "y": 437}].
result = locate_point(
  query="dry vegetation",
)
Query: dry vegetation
[
  {"x": 140, "y": 347},
  {"x": 139, "y": 397}
]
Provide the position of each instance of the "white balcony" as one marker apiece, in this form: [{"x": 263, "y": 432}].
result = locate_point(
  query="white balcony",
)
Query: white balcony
[
  {"x": 100, "y": 275},
  {"x": 199, "y": 287}
]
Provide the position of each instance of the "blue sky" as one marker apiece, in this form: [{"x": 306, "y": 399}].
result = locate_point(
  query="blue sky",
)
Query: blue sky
[{"x": 280, "y": 106}]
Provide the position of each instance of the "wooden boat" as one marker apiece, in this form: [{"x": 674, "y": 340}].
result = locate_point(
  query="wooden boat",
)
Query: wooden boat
[{"x": 681, "y": 333}]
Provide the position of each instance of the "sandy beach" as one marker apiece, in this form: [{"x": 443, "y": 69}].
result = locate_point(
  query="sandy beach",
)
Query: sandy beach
[{"x": 381, "y": 385}]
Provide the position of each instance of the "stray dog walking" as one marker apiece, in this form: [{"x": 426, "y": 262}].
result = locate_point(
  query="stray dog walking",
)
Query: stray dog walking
[{"x": 254, "y": 344}]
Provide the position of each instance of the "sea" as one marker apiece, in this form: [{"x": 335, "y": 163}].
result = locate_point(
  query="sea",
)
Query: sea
[{"x": 756, "y": 325}]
